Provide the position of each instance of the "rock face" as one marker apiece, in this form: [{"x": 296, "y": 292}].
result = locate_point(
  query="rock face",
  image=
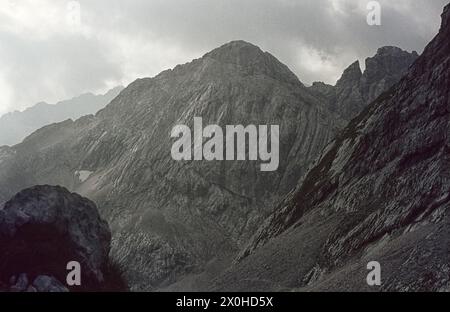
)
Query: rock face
[
  {"x": 44, "y": 228},
  {"x": 355, "y": 89},
  {"x": 15, "y": 126},
  {"x": 171, "y": 218},
  {"x": 379, "y": 192},
  {"x": 384, "y": 70}
]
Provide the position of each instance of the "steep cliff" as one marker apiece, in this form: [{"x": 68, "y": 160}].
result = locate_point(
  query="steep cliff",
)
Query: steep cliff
[
  {"x": 355, "y": 89},
  {"x": 379, "y": 192}
]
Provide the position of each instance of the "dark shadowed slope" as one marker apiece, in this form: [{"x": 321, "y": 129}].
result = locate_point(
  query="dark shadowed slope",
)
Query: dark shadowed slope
[{"x": 42, "y": 229}]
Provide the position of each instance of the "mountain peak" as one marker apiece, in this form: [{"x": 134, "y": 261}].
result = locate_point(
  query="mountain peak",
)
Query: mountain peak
[
  {"x": 384, "y": 69},
  {"x": 392, "y": 51},
  {"x": 350, "y": 75},
  {"x": 238, "y": 52},
  {"x": 355, "y": 89},
  {"x": 387, "y": 59},
  {"x": 251, "y": 57},
  {"x": 240, "y": 44}
]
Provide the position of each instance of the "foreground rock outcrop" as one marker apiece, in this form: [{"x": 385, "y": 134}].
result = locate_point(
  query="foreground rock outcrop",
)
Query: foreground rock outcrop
[{"x": 42, "y": 229}]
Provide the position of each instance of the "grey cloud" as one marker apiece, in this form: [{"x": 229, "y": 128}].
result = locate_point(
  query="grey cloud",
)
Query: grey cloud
[
  {"x": 137, "y": 37},
  {"x": 56, "y": 68}
]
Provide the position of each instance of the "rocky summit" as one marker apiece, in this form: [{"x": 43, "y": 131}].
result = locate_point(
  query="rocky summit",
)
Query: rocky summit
[
  {"x": 379, "y": 192},
  {"x": 356, "y": 89}
]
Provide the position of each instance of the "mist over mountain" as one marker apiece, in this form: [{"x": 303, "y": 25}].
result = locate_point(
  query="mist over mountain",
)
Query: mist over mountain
[{"x": 15, "y": 126}]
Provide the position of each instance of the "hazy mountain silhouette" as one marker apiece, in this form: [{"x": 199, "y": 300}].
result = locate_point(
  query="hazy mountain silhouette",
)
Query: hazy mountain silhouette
[{"x": 15, "y": 126}]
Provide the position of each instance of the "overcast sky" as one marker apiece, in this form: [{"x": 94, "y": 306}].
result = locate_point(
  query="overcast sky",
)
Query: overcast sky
[{"x": 49, "y": 54}]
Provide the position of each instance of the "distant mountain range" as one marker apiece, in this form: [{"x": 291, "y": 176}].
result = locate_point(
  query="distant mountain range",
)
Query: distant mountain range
[
  {"x": 15, "y": 126},
  {"x": 363, "y": 175}
]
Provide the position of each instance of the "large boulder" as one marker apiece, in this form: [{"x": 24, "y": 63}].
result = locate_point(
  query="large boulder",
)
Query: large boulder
[{"x": 42, "y": 229}]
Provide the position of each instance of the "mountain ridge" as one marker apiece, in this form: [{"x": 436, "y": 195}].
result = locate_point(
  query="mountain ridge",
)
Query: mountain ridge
[{"x": 355, "y": 88}]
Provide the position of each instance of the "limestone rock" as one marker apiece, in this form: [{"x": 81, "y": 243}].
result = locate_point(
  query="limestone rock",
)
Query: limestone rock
[{"x": 355, "y": 89}]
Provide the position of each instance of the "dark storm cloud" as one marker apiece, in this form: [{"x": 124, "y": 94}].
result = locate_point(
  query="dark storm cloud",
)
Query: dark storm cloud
[{"x": 42, "y": 58}]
